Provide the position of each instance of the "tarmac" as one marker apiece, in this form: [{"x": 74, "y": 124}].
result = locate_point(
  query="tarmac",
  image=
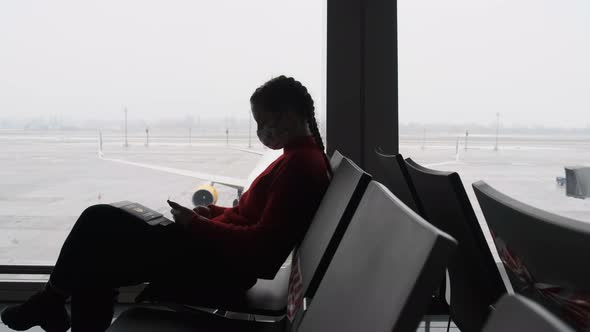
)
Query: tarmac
[{"x": 47, "y": 178}]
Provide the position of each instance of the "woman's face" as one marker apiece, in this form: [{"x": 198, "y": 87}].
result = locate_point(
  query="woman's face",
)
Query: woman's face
[{"x": 273, "y": 128}]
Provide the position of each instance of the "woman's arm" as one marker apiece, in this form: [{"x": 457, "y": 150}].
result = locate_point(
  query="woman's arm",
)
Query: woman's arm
[
  {"x": 296, "y": 194},
  {"x": 215, "y": 210},
  {"x": 226, "y": 215}
]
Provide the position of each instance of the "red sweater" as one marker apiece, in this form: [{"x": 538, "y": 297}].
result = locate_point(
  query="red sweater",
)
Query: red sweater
[{"x": 272, "y": 216}]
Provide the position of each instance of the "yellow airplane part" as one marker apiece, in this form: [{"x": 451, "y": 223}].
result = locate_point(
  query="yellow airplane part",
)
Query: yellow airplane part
[{"x": 204, "y": 195}]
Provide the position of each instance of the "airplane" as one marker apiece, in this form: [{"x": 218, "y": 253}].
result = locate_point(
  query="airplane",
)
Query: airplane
[{"x": 206, "y": 194}]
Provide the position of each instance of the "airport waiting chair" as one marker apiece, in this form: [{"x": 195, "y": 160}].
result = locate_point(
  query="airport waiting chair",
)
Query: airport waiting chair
[
  {"x": 380, "y": 279},
  {"x": 268, "y": 297},
  {"x": 516, "y": 313},
  {"x": 545, "y": 255},
  {"x": 475, "y": 282},
  {"x": 397, "y": 179}
]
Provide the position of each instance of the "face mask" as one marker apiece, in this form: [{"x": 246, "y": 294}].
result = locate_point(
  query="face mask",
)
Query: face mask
[{"x": 273, "y": 138}]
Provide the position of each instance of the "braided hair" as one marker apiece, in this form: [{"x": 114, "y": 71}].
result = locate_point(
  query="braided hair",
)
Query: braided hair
[{"x": 283, "y": 92}]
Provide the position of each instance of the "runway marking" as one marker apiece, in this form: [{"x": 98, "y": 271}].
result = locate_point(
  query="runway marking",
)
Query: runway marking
[
  {"x": 522, "y": 164},
  {"x": 449, "y": 162},
  {"x": 225, "y": 180}
]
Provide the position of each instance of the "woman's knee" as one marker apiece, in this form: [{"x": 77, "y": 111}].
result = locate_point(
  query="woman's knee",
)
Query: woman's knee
[
  {"x": 99, "y": 210},
  {"x": 98, "y": 214}
]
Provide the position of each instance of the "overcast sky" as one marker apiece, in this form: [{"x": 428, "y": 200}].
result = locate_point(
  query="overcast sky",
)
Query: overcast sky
[
  {"x": 460, "y": 60},
  {"x": 159, "y": 58},
  {"x": 465, "y": 60}
]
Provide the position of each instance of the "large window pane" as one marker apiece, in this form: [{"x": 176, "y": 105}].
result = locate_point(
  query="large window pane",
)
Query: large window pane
[
  {"x": 182, "y": 70},
  {"x": 498, "y": 91}
]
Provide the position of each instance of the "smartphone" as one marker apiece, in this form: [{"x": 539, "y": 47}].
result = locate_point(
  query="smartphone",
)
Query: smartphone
[{"x": 174, "y": 205}]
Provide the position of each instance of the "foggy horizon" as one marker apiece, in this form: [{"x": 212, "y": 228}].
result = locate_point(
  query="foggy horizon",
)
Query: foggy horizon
[{"x": 242, "y": 123}]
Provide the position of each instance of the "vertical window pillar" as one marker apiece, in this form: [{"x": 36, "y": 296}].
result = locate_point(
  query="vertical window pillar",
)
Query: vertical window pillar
[{"x": 361, "y": 91}]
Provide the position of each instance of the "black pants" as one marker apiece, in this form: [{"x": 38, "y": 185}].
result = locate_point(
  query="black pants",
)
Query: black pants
[{"x": 108, "y": 248}]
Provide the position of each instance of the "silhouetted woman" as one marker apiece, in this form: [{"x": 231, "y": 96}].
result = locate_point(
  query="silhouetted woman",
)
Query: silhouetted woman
[{"x": 213, "y": 249}]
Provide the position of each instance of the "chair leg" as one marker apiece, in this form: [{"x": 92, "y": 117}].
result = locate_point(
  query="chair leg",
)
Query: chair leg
[
  {"x": 427, "y": 325},
  {"x": 449, "y": 324}
]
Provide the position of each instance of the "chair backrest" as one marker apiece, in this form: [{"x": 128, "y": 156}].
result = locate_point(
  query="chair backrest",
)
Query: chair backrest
[
  {"x": 398, "y": 181},
  {"x": 383, "y": 272},
  {"x": 476, "y": 283},
  {"x": 341, "y": 199},
  {"x": 545, "y": 255},
  {"x": 516, "y": 313},
  {"x": 336, "y": 159}
]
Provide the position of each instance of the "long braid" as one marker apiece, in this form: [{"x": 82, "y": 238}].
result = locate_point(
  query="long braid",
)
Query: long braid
[
  {"x": 310, "y": 112},
  {"x": 311, "y": 119},
  {"x": 313, "y": 127}
]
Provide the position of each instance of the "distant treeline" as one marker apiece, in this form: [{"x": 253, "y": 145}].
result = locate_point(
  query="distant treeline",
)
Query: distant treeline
[
  {"x": 479, "y": 129},
  {"x": 242, "y": 124}
]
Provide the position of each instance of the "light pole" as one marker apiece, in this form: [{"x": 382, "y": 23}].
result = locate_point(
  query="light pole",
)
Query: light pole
[
  {"x": 126, "y": 142},
  {"x": 497, "y": 130},
  {"x": 147, "y": 137},
  {"x": 250, "y": 131},
  {"x": 466, "y": 138},
  {"x": 100, "y": 140}
]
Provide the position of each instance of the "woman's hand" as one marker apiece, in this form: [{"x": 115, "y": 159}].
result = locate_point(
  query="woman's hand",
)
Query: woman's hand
[
  {"x": 203, "y": 211},
  {"x": 182, "y": 215}
]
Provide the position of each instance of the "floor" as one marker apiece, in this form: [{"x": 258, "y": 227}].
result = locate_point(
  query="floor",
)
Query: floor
[
  {"x": 4, "y": 328},
  {"x": 436, "y": 326}
]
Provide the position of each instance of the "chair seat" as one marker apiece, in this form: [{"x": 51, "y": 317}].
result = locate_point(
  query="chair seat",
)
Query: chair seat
[
  {"x": 148, "y": 319},
  {"x": 266, "y": 297},
  {"x": 269, "y": 297}
]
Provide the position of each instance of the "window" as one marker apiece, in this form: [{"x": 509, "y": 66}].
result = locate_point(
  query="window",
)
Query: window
[
  {"x": 164, "y": 84},
  {"x": 497, "y": 91}
]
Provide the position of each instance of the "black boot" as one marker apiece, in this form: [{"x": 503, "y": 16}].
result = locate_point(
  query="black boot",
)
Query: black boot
[
  {"x": 93, "y": 309},
  {"x": 43, "y": 309}
]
